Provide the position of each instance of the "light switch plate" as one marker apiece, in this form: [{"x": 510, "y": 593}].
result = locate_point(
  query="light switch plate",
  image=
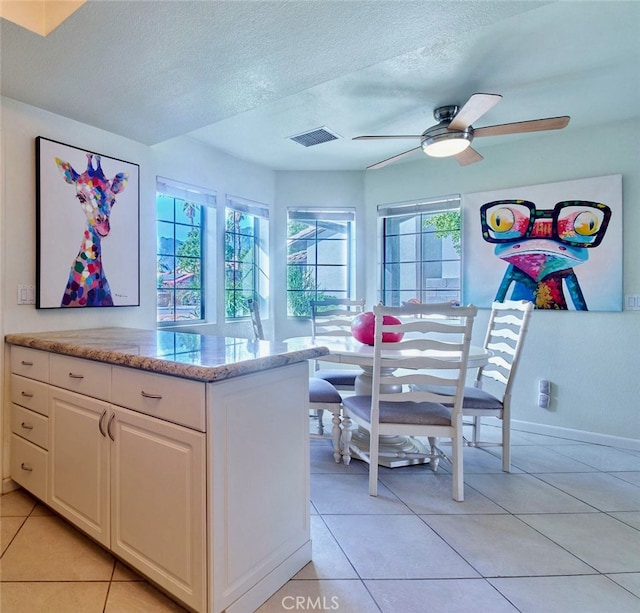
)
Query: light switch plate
[
  {"x": 26, "y": 294},
  {"x": 632, "y": 302}
]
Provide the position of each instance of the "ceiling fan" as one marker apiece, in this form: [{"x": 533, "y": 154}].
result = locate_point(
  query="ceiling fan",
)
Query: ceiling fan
[{"x": 453, "y": 134}]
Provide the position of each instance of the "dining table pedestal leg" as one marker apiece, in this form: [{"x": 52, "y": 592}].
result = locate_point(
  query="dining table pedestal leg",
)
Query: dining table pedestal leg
[{"x": 392, "y": 445}]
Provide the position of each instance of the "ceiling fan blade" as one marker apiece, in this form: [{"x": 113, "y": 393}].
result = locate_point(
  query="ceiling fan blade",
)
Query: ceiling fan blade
[
  {"x": 395, "y": 158},
  {"x": 473, "y": 109},
  {"x": 468, "y": 156},
  {"x": 533, "y": 125},
  {"x": 387, "y": 136}
]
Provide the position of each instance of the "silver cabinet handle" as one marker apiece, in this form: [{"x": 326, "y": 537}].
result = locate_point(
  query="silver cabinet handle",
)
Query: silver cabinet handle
[
  {"x": 26, "y": 426},
  {"x": 25, "y": 467},
  {"x": 101, "y": 423},
  {"x": 26, "y": 394},
  {"x": 26, "y": 363},
  {"x": 74, "y": 376},
  {"x": 113, "y": 415},
  {"x": 147, "y": 395}
]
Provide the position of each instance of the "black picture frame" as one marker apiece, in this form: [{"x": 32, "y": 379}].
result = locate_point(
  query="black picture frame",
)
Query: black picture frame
[{"x": 87, "y": 228}]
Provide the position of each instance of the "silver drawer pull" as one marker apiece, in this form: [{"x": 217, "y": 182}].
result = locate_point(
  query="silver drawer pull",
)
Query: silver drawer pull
[
  {"x": 26, "y": 426},
  {"x": 154, "y": 396},
  {"x": 74, "y": 376},
  {"x": 25, "y": 467},
  {"x": 113, "y": 416},
  {"x": 101, "y": 423},
  {"x": 26, "y": 363},
  {"x": 26, "y": 394}
]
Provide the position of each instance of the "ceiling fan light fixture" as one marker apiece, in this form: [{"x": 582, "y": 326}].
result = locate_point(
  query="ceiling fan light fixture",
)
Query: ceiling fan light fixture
[{"x": 445, "y": 143}]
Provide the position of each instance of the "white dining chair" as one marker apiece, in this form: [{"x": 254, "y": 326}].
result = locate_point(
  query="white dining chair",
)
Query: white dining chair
[
  {"x": 492, "y": 390},
  {"x": 333, "y": 317},
  {"x": 325, "y": 397},
  {"x": 490, "y": 395},
  {"x": 432, "y": 351}
]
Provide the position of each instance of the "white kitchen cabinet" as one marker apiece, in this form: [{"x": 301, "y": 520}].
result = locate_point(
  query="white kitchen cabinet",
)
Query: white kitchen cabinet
[
  {"x": 79, "y": 461},
  {"x": 158, "y": 513},
  {"x": 134, "y": 483},
  {"x": 200, "y": 484}
]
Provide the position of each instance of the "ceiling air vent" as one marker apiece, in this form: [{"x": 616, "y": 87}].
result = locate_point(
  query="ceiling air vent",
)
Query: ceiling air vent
[{"x": 314, "y": 137}]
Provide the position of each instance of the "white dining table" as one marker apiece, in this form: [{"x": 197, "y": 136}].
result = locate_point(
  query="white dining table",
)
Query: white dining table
[{"x": 348, "y": 350}]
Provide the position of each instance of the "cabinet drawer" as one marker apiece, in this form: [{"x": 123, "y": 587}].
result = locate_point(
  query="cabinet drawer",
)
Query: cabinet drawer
[
  {"x": 30, "y": 394},
  {"x": 30, "y": 363},
  {"x": 30, "y": 425},
  {"x": 81, "y": 376},
  {"x": 170, "y": 398},
  {"x": 29, "y": 466}
]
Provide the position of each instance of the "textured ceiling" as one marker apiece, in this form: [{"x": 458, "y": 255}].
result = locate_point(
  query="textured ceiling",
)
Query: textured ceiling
[{"x": 244, "y": 75}]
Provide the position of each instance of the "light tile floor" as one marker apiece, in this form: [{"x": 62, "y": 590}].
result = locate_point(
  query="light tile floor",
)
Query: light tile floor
[{"x": 561, "y": 533}]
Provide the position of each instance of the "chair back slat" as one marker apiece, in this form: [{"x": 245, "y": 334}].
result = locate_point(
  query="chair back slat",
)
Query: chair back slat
[
  {"x": 420, "y": 344},
  {"x": 333, "y": 316},
  {"x": 496, "y": 375},
  {"x": 428, "y": 324},
  {"x": 514, "y": 319},
  {"x": 499, "y": 363},
  {"x": 500, "y": 348},
  {"x": 448, "y": 360},
  {"x": 506, "y": 333}
]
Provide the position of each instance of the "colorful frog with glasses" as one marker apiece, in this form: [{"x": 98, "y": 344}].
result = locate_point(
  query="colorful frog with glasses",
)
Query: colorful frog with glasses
[{"x": 542, "y": 247}]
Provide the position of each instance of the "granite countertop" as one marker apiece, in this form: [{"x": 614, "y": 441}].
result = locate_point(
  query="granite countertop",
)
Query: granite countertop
[{"x": 181, "y": 354}]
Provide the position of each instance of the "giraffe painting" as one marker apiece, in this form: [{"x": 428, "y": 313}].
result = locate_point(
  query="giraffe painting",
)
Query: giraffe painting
[{"x": 87, "y": 285}]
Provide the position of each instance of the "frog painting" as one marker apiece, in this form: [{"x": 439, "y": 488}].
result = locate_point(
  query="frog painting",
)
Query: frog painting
[
  {"x": 542, "y": 248},
  {"x": 558, "y": 244}
]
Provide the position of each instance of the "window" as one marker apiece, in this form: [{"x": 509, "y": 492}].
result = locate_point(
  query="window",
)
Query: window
[
  {"x": 320, "y": 245},
  {"x": 421, "y": 246},
  {"x": 180, "y": 248},
  {"x": 245, "y": 256}
]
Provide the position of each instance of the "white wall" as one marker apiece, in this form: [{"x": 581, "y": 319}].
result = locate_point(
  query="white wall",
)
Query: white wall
[{"x": 592, "y": 359}]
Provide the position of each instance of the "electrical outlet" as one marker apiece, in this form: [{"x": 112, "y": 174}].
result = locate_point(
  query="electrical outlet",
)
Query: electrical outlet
[
  {"x": 544, "y": 400},
  {"x": 544, "y": 387}
]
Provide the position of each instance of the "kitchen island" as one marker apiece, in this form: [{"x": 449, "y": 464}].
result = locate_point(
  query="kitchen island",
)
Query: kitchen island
[{"x": 186, "y": 455}]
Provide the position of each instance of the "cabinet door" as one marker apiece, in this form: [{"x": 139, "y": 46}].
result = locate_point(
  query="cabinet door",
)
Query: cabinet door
[
  {"x": 79, "y": 461},
  {"x": 158, "y": 502}
]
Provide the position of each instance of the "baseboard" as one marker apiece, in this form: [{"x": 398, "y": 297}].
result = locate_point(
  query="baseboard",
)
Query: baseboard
[
  {"x": 271, "y": 583},
  {"x": 578, "y": 435},
  {"x": 9, "y": 485}
]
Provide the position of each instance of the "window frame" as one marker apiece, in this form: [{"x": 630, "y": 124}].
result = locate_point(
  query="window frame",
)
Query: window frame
[
  {"x": 259, "y": 259},
  {"x": 419, "y": 210},
  {"x": 317, "y": 216},
  {"x": 204, "y": 199}
]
